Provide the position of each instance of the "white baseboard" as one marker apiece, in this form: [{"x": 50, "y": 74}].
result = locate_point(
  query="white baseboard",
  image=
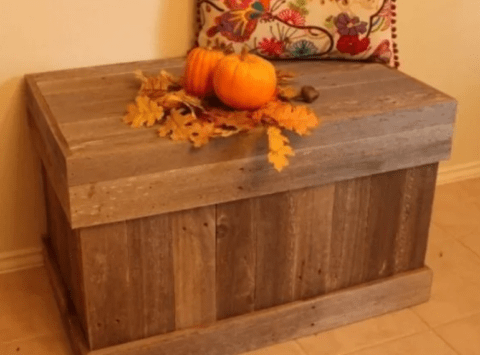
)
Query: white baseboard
[
  {"x": 20, "y": 259},
  {"x": 459, "y": 172}
]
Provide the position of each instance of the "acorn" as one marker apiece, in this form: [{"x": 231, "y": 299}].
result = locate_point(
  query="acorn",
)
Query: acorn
[{"x": 309, "y": 93}]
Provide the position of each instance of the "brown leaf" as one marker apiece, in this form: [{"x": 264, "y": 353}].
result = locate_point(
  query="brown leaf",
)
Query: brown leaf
[
  {"x": 156, "y": 86},
  {"x": 177, "y": 99},
  {"x": 279, "y": 148},
  {"x": 143, "y": 112}
]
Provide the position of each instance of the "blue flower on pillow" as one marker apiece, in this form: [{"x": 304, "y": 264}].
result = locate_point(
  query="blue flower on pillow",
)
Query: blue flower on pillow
[{"x": 303, "y": 48}]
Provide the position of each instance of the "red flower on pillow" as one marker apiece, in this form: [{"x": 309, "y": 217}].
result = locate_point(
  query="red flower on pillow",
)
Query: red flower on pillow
[
  {"x": 292, "y": 17},
  {"x": 241, "y": 20},
  {"x": 352, "y": 44},
  {"x": 271, "y": 47}
]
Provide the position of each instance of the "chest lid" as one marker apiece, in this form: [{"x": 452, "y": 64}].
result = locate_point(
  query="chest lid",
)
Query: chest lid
[{"x": 375, "y": 119}]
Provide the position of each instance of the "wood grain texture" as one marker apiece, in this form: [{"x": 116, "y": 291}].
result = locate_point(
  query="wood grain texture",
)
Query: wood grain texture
[
  {"x": 129, "y": 285},
  {"x": 349, "y": 247},
  {"x": 414, "y": 218},
  {"x": 235, "y": 259},
  {"x": 248, "y": 332},
  {"x": 194, "y": 266},
  {"x": 150, "y": 258},
  {"x": 276, "y": 249},
  {"x": 359, "y": 103},
  {"x": 156, "y": 193},
  {"x": 312, "y": 212},
  {"x": 65, "y": 243},
  {"x": 251, "y": 331},
  {"x": 383, "y": 221}
]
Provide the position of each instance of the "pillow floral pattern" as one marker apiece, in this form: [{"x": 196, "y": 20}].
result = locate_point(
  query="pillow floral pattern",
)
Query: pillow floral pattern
[{"x": 350, "y": 29}]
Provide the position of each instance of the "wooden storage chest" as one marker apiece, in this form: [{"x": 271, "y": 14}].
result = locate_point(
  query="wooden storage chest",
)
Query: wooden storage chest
[{"x": 154, "y": 247}]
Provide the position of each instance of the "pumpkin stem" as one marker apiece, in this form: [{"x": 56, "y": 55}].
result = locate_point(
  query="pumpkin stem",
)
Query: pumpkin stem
[{"x": 244, "y": 53}]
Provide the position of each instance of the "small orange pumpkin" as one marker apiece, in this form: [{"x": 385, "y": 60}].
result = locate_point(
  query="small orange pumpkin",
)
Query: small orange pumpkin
[
  {"x": 198, "y": 78},
  {"x": 244, "y": 81}
]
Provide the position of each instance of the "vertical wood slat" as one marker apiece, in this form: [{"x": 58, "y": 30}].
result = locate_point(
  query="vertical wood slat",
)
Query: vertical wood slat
[
  {"x": 349, "y": 246},
  {"x": 130, "y": 286},
  {"x": 105, "y": 251},
  {"x": 412, "y": 234},
  {"x": 312, "y": 211},
  {"x": 383, "y": 221},
  {"x": 194, "y": 266},
  {"x": 275, "y": 250},
  {"x": 236, "y": 259}
]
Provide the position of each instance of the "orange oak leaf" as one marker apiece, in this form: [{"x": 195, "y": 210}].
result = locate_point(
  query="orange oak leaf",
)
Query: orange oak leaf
[
  {"x": 279, "y": 148},
  {"x": 143, "y": 112},
  {"x": 299, "y": 119},
  {"x": 156, "y": 85},
  {"x": 287, "y": 92}
]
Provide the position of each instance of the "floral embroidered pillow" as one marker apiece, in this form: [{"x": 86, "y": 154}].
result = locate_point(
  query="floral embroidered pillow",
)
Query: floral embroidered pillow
[{"x": 347, "y": 29}]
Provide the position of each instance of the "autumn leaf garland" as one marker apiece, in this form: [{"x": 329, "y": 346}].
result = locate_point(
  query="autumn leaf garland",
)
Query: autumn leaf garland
[{"x": 182, "y": 117}]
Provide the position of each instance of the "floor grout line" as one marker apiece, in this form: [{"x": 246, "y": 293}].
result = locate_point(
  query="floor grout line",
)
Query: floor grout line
[
  {"x": 446, "y": 342},
  {"x": 384, "y": 342}
]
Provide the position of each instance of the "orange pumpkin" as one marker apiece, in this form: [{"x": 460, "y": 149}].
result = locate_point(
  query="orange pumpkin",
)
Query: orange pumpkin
[
  {"x": 244, "y": 81},
  {"x": 198, "y": 77}
]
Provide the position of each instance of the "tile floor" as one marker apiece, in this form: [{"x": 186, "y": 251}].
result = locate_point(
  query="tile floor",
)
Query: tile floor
[{"x": 448, "y": 324}]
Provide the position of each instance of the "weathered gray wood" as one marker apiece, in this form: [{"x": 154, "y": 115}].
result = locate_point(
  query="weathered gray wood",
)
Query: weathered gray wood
[
  {"x": 194, "y": 266},
  {"x": 236, "y": 259},
  {"x": 156, "y": 193},
  {"x": 275, "y": 249},
  {"x": 312, "y": 211},
  {"x": 381, "y": 112},
  {"x": 414, "y": 218},
  {"x": 251, "y": 331},
  {"x": 349, "y": 247},
  {"x": 150, "y": 260},
  {"x": 298, "y": 319},
  {"x": 83, "y": 109},
  {"x": 383, "y": 220}
]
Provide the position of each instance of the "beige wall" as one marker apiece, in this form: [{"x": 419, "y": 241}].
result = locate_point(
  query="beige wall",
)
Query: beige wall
[{"x": 52, "y": 34}]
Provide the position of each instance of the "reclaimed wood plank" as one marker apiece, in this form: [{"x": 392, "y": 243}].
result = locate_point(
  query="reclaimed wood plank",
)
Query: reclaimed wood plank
[
  {"x": 298, "y": 319},
  {"x": 312, "y": 210},
  {"x": 412, "y": 233},
  {"x": 69, "y": 318},
  {"x": 138, "y": 153},
  {"x": 235, "y": 259},
  {"x": 385, "y": 204},
  {"x": 65, "y": 243},
  {"x": 151, "y": 286},
  {"x": 349, "y": 247},
  {"x": 52, "y": 164},
  {"x": 106, "y": 284},
  {"x": 194, "y": 266},
  {"x": 275, "y": 250},
  {"x": 146, "y": 195},
  {"x": 109, "y": 69}
]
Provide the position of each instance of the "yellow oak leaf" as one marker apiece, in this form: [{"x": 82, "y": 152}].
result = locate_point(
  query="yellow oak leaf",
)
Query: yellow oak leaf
[
  {"x": 279, "y": 148},
  {"x": 143, "y": 112},
  {"x": 176, "y": 126},
  {"x": 156, "y": 85},
  {"x": 176, "y": 99},
  {"x": 287, "y": 92},
  {"x": 201, "y": 132},
  {"x": 299, "y": 119}
]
